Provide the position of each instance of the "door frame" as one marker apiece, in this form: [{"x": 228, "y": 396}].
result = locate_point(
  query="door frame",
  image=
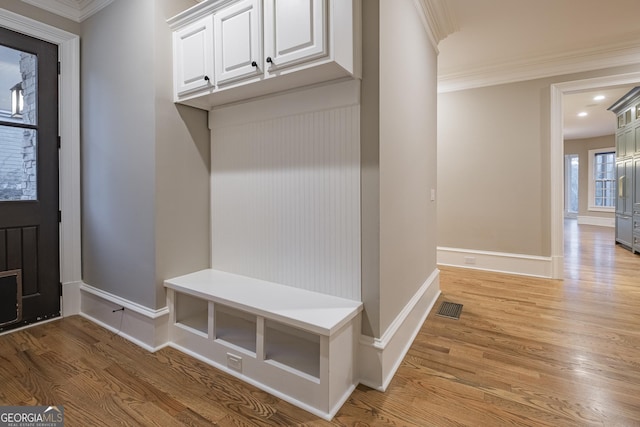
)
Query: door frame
[
  {"x": 558, "y": 90},
  {"x": 69, "y": 129}
]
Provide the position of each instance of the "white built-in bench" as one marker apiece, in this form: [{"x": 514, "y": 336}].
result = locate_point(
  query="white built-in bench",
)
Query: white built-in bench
[{"x": 296, "y": 344}]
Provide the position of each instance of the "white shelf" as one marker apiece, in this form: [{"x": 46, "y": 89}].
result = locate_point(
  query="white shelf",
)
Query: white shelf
[{"x": 311, "y": 311}]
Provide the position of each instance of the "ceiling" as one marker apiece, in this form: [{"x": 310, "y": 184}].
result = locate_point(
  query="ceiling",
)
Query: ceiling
[
  {"x": 502, "y": 41},
  {"x": 598, "y": 121}
]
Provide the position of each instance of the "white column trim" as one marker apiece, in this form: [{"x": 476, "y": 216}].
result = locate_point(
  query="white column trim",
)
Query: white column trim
[
  {"x": 69, "y": 128},
  {"x": 557, "y": 184}
]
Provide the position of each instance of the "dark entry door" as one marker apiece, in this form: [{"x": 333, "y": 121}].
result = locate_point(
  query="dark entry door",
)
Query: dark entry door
[{"x": 29, "y": 233}]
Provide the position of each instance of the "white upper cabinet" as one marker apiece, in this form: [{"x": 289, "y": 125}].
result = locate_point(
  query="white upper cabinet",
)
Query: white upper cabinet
[
  {"x": 238, "y": 41},
  {"x": 260, "y": 47},
  {"x": 295, "y": 32},
  {"x": 193, "y": 56}
]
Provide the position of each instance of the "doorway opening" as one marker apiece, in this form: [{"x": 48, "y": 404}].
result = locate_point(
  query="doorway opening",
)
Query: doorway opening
[{"x": 557, "y": 155}]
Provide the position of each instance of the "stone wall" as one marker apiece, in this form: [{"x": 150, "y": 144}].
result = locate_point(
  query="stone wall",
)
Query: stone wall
[
  {"x": 11, "y": 161},
  {"x": 28, "y": 69}
]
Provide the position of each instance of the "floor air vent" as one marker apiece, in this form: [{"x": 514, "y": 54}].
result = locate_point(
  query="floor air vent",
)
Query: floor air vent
[{"x": 450, "y": 310}]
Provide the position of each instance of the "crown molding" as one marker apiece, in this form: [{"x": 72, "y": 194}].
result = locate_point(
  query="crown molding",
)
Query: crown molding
[
  {"x": 437, "y": 19},
  {"x": 606, "y": 56},
  {"x": 75, "y": 10}
]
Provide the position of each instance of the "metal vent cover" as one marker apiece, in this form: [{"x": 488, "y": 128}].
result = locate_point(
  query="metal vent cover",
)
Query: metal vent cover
[{"x": 450, "y": 310}]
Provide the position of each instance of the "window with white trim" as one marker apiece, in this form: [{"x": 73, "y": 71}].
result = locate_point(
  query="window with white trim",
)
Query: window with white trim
[{"x": 602, "y": 179}]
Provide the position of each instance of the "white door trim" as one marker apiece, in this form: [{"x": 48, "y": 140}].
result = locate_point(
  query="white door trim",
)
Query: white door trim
[
  {"x": 69, "y": 125},
  {"x": 558, "y": 90}
]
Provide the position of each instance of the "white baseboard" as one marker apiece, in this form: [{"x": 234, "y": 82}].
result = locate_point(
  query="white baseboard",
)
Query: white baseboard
[
  {"x": 597, "y": 220},
  {"x": 144, "y": 327},
  {"x": 524, "y": 265},
  {"x": 379, "y": 358}
]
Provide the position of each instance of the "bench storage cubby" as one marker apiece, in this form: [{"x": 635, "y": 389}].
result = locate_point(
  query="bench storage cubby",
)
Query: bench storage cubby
[{"x": 296, "y": 344}]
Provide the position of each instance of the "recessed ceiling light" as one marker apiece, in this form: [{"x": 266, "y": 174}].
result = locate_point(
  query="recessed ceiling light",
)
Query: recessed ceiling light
[
  {"x": 583, "y": 114},
  {"x": 598, "y": 98}
]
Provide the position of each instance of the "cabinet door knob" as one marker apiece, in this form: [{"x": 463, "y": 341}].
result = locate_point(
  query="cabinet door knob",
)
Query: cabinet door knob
[
  {"x": 269, "y": 60},
  {"x": 206, "y": 78},
  {"x": 254, "y": 64}
]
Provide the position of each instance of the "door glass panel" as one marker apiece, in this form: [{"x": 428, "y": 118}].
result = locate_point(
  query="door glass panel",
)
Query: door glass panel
[
  {"x": 18, "y": 91},
  {"x": 18, "y": 105},
  {"x": 18, "y": 163}
]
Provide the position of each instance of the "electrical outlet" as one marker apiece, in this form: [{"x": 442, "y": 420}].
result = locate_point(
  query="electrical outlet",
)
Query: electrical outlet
[
  {"x": 471, "y": 260},
  {"x": 433, "y": 195},
  {"x": 234, "y": 362}
]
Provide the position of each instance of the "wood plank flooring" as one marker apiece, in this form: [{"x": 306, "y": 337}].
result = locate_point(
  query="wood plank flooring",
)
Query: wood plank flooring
[{"x": 525, "y": 352}]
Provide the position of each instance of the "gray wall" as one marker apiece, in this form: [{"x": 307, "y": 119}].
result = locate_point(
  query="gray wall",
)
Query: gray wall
[
  {"x": 139, "y": 154},
  {"x": 182, "y": 167},
  {"x": 581, "y": 147},
  {"x": 494, "y": 166},
  {"x": 398, "y": 173},
  {"x": 118, "y": 151}
]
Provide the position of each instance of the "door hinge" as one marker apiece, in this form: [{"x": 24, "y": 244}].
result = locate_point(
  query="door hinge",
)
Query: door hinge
[
  {"x": 59, "y": 216},
  {"x": 59, "y": 67},
  {"x": 60, "y": 288},
  {"x": 59, "y": 142}
]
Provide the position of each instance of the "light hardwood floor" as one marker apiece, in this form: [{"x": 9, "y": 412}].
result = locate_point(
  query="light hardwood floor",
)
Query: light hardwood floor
[{"x": 525, "y": 352}]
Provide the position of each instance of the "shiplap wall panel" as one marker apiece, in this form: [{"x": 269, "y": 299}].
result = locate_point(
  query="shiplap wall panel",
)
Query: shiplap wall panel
[{"x": 286, "y": 200}]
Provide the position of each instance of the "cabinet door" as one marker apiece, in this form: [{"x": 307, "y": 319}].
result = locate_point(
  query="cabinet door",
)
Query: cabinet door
[
  {"x": 193, "y": 56},
  {"x": 238, "y": 41},
  {"x": 628, "y": 188},
  {"x": 621, "y": 144},
  {"x": 620, "y": 190},
  {"x": 295, "y": 32},
  {"x": 624, "y": 201},
  {"x": 630, "y": 141},
  {"x": 624, "y": 230},
  {"x": 636, "y": 187},
  {"x": 637, "y": 134}
]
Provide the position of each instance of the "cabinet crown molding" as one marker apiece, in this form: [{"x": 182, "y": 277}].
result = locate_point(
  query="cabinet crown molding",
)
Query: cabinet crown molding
[
  {"x": 626, "y": 101},
  {"x": 197, "y": 11}
]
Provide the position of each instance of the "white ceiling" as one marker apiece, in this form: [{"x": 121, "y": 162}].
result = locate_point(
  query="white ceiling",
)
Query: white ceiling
[
  {"x": 501, "y": 41},
  {"x": 598, "y": 121}
]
